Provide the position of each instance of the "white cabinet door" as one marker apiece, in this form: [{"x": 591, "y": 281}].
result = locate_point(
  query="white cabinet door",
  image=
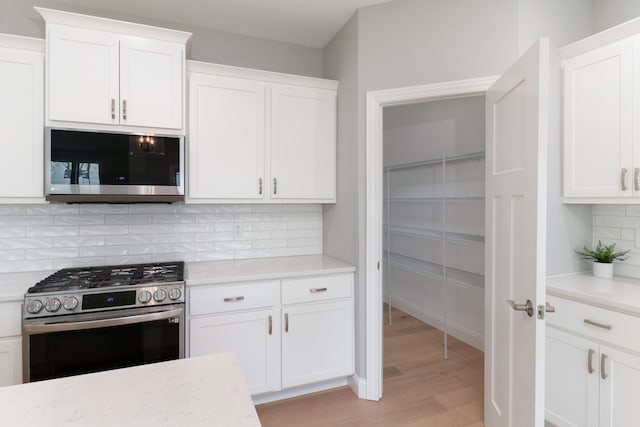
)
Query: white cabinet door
[
  {"x": 10, "y": 361},
  {"x": 572, "y": 375},
  {"x": 597, "y": 120},
  {"x": 226, "y": 138},
  {"x": 151, "y": 82},
  {"x": 303, "y": 143},
  {"x": 82, "y": 75},
  {"x": 253, "y": 336},
  {"x": 317, "y": 342},
  {"x": 619, "y": 388},
  {"x": 21, "y": 121}
]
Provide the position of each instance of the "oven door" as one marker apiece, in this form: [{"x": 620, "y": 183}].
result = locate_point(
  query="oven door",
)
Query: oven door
[{"x": 78, "y": 344}]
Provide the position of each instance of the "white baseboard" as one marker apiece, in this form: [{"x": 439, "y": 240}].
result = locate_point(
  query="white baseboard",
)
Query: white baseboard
[
  {"x": 358, "y": 385},
  {"x": 299, "y": 391}
]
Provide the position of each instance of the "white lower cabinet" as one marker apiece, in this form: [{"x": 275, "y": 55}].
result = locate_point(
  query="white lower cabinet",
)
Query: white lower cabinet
[
  {"x": 10, "y": 361},
  {"x": 253, "y": 336},
  {"x": 589, "y": 383},
  {"x": 285, "y": 333}
]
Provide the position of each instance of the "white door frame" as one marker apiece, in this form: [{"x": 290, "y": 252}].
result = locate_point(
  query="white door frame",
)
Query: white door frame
[{"x": 376, "y": 101}]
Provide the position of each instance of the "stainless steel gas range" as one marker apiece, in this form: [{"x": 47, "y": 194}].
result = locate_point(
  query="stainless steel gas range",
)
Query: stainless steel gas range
[{"x": 81, "y": 320}]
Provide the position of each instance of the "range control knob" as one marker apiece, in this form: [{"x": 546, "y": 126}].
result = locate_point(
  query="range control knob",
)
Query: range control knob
[
  {"x": 175, "y": 294},
  {"x": 34, "y": 306},
  {"x": 52, "y": 305},
  {"x": 144, "y": 296},
  {"x": 70, "y": 303},
  {"x": 160, "y": 295}
]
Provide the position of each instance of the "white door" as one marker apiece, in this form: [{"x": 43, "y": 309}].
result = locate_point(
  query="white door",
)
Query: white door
[
  {"x": 227, "y": 121},
  {"x": 151, "y": 83},
  {"x": 303, "y": 143},
  {"x": 253, "y": 336},
  {"x": 516, "y": 117},
  {"x": 82, "y": 75},
  {"x": 10, "y": 361},
  {"x": 597, "y": 121}
]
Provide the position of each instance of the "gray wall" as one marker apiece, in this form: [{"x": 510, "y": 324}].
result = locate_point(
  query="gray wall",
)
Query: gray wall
[
  {"x": 341, "y": 222},
  {"x": 609, "y": 13},
  {"x": 19, "y": 17}
]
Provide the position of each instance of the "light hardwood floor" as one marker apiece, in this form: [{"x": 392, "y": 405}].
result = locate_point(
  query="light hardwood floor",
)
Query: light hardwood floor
[{"x": 420, "y": 387}]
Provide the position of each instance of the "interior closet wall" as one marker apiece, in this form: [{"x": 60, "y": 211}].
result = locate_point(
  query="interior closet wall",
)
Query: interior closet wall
[{"x": 434, "y": 214}]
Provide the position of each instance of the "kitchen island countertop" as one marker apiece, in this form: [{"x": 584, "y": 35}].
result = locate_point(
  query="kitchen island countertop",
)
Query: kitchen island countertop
[{"x": 199, "y": 391}]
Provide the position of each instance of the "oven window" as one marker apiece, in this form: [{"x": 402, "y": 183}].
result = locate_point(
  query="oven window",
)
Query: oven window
[{"x": 61, "y": 354}]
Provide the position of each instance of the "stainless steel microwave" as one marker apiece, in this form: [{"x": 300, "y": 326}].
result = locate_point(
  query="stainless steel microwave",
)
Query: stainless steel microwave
[{"x": 86, "y": 166}]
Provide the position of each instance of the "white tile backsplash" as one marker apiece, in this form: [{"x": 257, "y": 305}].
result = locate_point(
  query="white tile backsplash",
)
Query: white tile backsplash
[
  {"x": 619, "y": 224},
  {"x": 46, "y": 237}
]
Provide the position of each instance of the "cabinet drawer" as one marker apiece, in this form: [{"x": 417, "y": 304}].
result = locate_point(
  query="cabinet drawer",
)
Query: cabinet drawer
[
  {"x": 10, "y": 319},
  {"x": 615, "y": 328},
  {"x": 312, "y": 289},
  {"x": 241, "y": 296}
]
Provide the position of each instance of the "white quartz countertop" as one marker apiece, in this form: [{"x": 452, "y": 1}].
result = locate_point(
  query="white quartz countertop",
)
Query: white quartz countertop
[
  {"x": 213, "y": 272},
  {"x": 620, "y": 293},
  {"x": 200, "y": 391},
  {"x": 14, "y": 285}
]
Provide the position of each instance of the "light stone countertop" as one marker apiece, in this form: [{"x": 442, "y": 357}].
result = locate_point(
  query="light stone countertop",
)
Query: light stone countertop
[
  {"x": 199, "y": 391},
  {"x": 620, "y": 294},
  {"x": 215, "y": 272}
]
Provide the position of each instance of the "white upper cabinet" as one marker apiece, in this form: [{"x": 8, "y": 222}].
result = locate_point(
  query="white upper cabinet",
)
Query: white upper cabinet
[
  {"x": 303, "y": 143},
  {"x": 21, "y": 119},
  {"x": 601, "y": 124},
  {"x": 260, "y": 136},
  {"x": 106, "y": 74}
]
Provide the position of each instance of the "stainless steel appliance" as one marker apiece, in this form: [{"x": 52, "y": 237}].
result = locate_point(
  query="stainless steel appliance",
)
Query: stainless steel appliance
[
  {"x": 83, "y": 166},
  {"x": 81, "y": 320}
]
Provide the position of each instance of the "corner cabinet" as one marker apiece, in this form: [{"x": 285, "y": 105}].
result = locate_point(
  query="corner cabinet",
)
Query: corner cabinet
[
  {"x": 21, "y": 119},
  {"x": 592, "y": 366},
  {"x": 113, "y": 75},
  {"x": 287, "y": 333},
  {"x": 256, "y": 136},
  {"x": 601, "y": 132}
]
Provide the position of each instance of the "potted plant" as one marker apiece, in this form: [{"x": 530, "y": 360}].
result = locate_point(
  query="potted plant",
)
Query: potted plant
[{"x": 603, "y": 257}]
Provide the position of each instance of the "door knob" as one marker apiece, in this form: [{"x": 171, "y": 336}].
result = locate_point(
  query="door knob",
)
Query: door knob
[{"x": 527, "y": 307}]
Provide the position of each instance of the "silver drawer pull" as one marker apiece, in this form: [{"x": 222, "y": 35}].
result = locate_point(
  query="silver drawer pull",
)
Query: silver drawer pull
[
  {"x": 233, "y": 299},
  {"x": 590, "y": 361},
  {"x": 316, "y": 290},
  {"x": 270, "y": 325},
  {"x": 603, "y": 361},
  {"x": 596, "y": 324},
  {"x": 286, "y": 322},
  {"x": 623, "y": 179}
]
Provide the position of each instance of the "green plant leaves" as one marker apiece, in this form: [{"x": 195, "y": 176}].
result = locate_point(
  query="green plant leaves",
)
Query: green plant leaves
[{"x": 602, "y": 253}]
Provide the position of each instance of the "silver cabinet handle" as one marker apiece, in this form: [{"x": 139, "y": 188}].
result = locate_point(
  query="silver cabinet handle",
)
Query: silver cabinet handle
[
  {"x": 286, "y": 322},
  {"x": 275, "y": 185},
  {"x": 596, "y": 324},
  {"x": 623, "y": 179},
  {"x": 113, "y": 109},
  {"x": 603, "y": 359},
  {"x": 270, "y": 325},
  {"x": 124, "y": 109},
  {"x": 636, "y": 175},
  {"x": 590, "y": 361},
  {"x": 316, "y": 290},
  {"x": 527, "y": 307},
  {"x": 233, "y": 299},
  {"x": 260, "y": 186}
]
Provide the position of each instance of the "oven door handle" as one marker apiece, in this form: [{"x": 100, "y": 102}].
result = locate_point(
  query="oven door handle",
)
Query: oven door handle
[{"x": 93, "y": 324}]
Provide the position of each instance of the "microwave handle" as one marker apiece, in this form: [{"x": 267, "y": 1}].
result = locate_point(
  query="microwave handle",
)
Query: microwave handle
[{"x": 93, "y": 324}]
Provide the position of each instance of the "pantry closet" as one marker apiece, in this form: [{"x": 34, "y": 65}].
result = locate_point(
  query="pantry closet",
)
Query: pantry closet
[{"x": 434, "y": 170}]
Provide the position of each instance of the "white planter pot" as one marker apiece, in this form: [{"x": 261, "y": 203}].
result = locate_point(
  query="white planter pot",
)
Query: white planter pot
[{"x": 603, "y": 269}]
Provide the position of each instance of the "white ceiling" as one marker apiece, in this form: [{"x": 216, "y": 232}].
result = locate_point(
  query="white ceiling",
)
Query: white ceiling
[{"x": 306, "y": 22}]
